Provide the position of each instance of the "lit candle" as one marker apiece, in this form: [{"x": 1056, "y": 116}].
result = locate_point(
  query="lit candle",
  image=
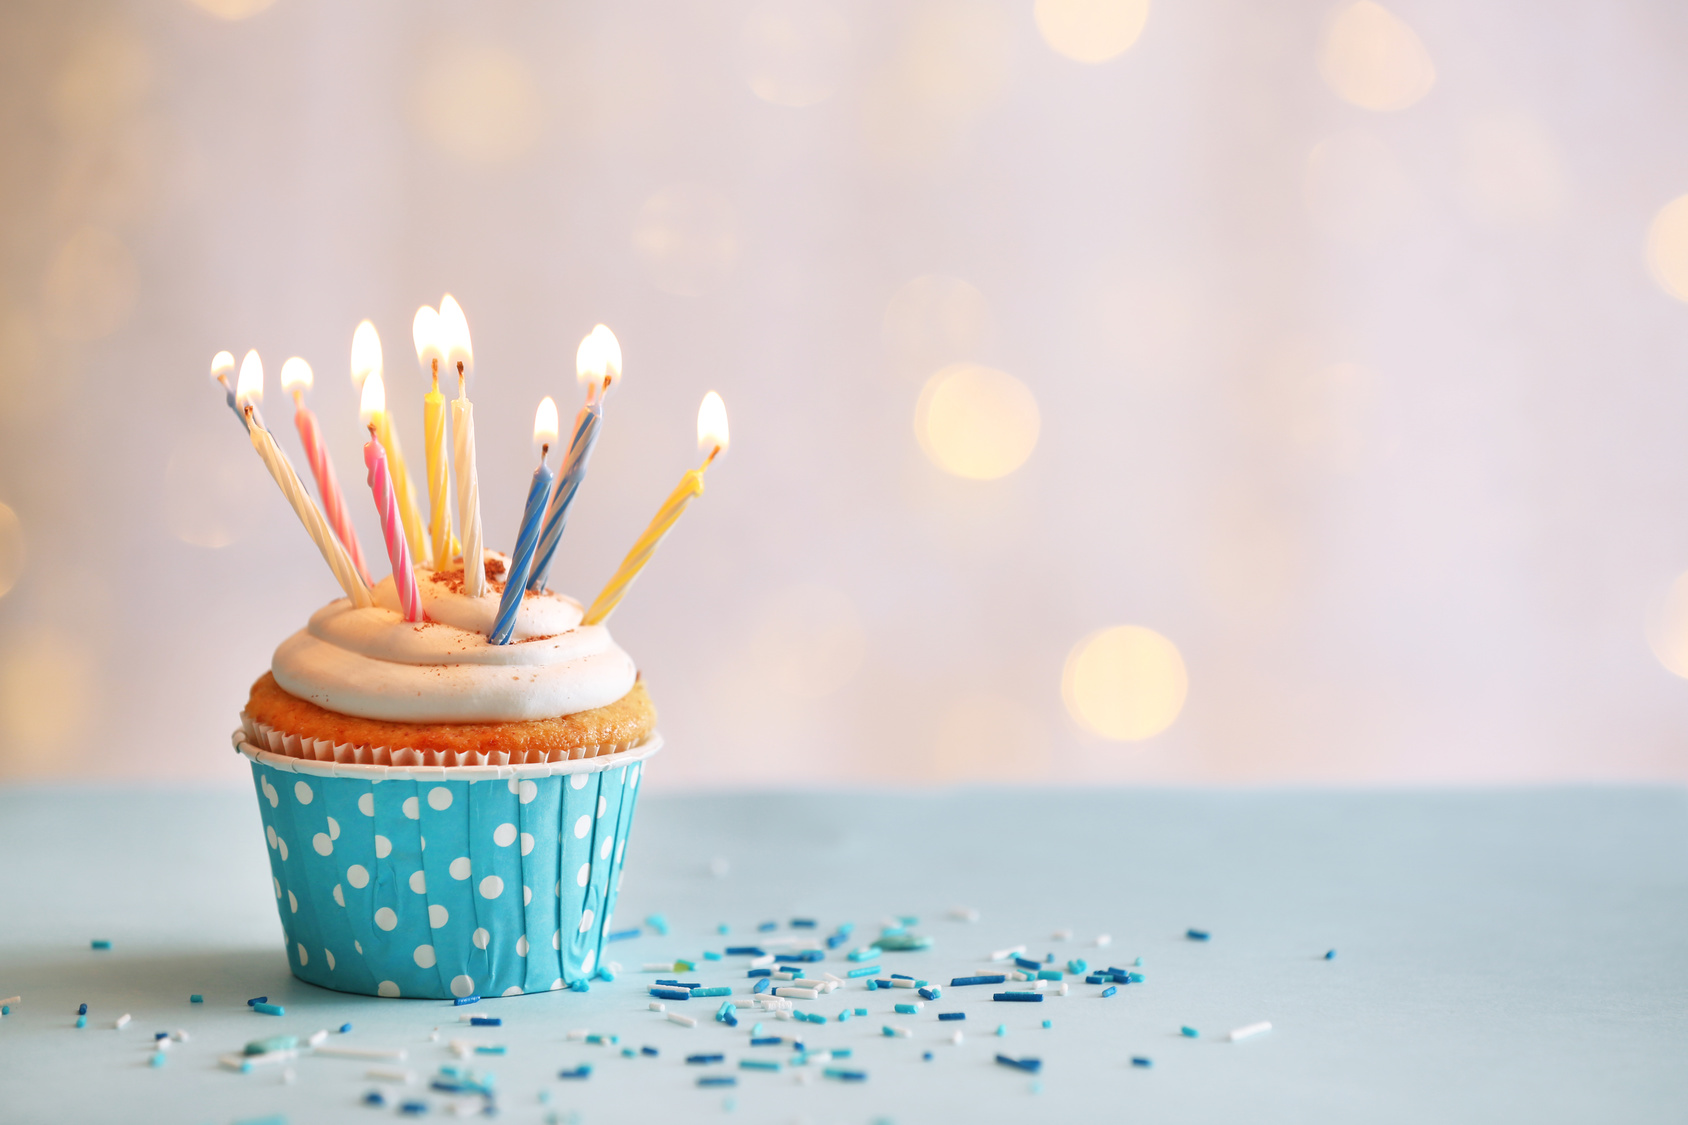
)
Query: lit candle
[
  {"x": 425, "y": 330},
  {"x": 366, "y": 360},
  {"x": 221, "y": 364},
  {"x": 247, "y": 395},
  {"x": 296, "y": 380},
  {"x": 521, "y": 563},
  {"x": 454, "y": 340},
  {"x": 597, "y": 364},
  {"x": 712, "y": 438},
  {"x": 373, "y": 407}
]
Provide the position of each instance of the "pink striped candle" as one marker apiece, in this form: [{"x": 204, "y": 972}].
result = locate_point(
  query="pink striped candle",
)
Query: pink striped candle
[
  {"x": 333, "y": 502},
  {"x": 392, "y": 528}
]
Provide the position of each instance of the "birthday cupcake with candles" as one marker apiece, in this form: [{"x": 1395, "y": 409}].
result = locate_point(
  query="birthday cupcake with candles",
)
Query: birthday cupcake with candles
[{"x": 447, "y": 759}]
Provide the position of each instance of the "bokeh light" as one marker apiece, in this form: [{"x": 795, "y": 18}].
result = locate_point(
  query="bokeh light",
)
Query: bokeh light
[
  {"x": 13, "y": 552},
  {"x": 1511, "y": 170},
  {"x": 953, "y": 60},
  {"x": 1355, "y": 190},
  {"x": 89, "y": 290},
  {"x": 1091, "y": 31},
  {"x": 794, "y": 52},
  {"x": 808, "y": 640},
  {"x": 1125, "y": 683},
  {"x": 1667, "y": 248},
  {"x": 1372, "y": 59},
  {"x": 46, "y": 695},
  {"x": 1667, "y": 627},
  {"x": 976, "y": 422},
  {"x": 232, "y": 9},
  {"x": 990, "y": 737},
  {"x": 484, "y": 107},
  {"x": 687, "y": 236},
  {"x": 933, "y": 320},
  {"x": 210, "y": 495},
  {"x": 102, "y": 83}
]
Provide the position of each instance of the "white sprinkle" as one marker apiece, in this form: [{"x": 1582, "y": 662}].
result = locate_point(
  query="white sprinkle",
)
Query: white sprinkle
[
  {"x": 900, "y": 1032},
  {"x": 1061, "y": 935},
  {"x": 833, "y": 979},
  {"x": 784, "y": 974},
  {"x": 799, "y": 993},
  {"x": 658, "y": 1006},
  {"x": 435, "y": 1037},
  {"x": 363, "y": 1053},
  {"x": 10, "y": 1000},
  {"x": 782, "y": 1013},
  {"x": 762, "y": 962},
  {"x": 1062, "y": 990},
  {"x": 1251, "y": 1029},
  {"x": 964, "y": 913},
  {"x": 658, "y": 967},
  {"x": 389, "y": 1074},
  {"x": 317, "y": 1037},
  {"x": 1104, "y": 939},
  {"x": 683, "y": 1021},
  {"x": 122, "y": 1021},
  {"x": 1016, "y": 974},
  {"x": 1039, "y": 985},
  {"x": 161, "y": 1044},
  {"x": 179, "y": 1035},
  {"x": 1005, "y": 954},
  {"x": 578, "y": 1033},
  {"x": 956, "y": 1038}
]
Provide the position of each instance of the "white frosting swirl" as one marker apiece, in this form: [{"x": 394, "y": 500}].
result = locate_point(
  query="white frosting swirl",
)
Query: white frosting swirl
[{"x": 373, "y": 664}]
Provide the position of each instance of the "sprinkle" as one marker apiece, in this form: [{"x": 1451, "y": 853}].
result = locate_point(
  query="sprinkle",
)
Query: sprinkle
[
  {"x": 1109, "y": 991},
  {"x": 658, "y": 967},
  {"x": 121, "y": 1021},
  {"x": 1001, "y": 1030},
  {"x": 952, "y": 1015},
  {"x": 1138, "y": 962},
  {"x": 603, "y": 1040},
  {"x": 1189, "y": 1032},
  {"x": 927, "y": 1056},
  {"x": 81, "y": 1021},
  {"x": 761, "y": 985},
  {"x": 363, "y": 1053},
  {"x": 374, "y": 1097},
  {"x": 1251, "y": 1029},
  {"x": 696, "y": 993},
  {"x": 584, "y": 1070},
  {"x": 273, "y": 1043},
  {"x": 1019, "y": 997},
  {"x": 580, "y": 986},
  {"x": 710, "y": 955},
  {"x": 257, "y": 1000},
  {"x": 658, "y": 923},
  {"x": 462, "y": 1000},
  {"x": 1049, "y": 974},
  {"x": 717, "y": 1080},
  {"x": 651, "y": 1051},
  {"x": 1061, "y": 935},
  {"x": 622, "y": 935},
  {"x": 1140, "y": 1060},
  {"x": 964, "y": 913},
  {"x": 1005, "y": 954},
  {"x": 1077, "y": 966},
  {"x": 763, "y": 972},
  {"x": 157, "y": 1060},
  {"x": 872, "y": 985},
  {"x": 802, "y": 923},
  {"x": 672, "y": 993},
  {"x": 1047, "y": 1024},
  {"x": 992, "y": 978},
  {"x": 1330, "y": 955},
  {"x": 704, "y": 1060},
  {"x": 388, "y": 1074},
  {"x": 722, "y": 928},
  {"x": 1029, "y": 1065},
  {"x": 490, "y": 1049},
  {"x": 100, "y": 943},
  {"x": 681, "y": 966},
  {"x": 896, "y": 1032},
  {"x": 798, "y": 993},
  {"x": 1103, "y": 940},
  {"x": 931, "y": 992},
  {"x": 956, "y": 1038},
  {"x": 1197, "y": 935},
  {"x": 864, "y": 971},
  {"x": 744, "y": 951},
  {"x": 842, "y": 1075},
  {"x": 486, "y": 1021},
  {"x": 843, "y": 1015},
  {"x": 414, "y": 1108},
  {"x": 760, "y": 1064},
  {"x": 683, "y": 1021},
  {"x": 907, "y": 1009},
  {"x": 657, "y": 1006},
  {"x": 865, "y": 953},
  {"x": 767, "y": 927},
  {"x": 270, "y": 1009},
  {"x": 1026, "y": 963},
  {"x": 904, "y": 943},
  {"x": 82, "y": 1009}
]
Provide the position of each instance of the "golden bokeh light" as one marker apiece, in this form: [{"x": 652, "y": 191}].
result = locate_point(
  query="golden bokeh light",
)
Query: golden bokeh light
[
  {"x": 1511, "y": 170},
  {"x": 1667, "y": 248},
  {"x": 1091, "y": 31},
  {"x": 933, "y": 320},
  {"x": 1125, "y": 683},
  {"x": 1372, "y": 59},
  {"x": 794, "y": 52},
  {"x": 102, "y": 84},
  {"x": 484, "y": 107},
  {"x": 976, "y": 422},
  {"x": 1355, "y": 190},
  {"x": 990, "y": 737},
  {"x": 808, "y": 640},
  {"x": 1667, "y": 627},
  {"x": 953, "y": 60},
  {"x": 13, "y": 551},
  {"x": 232, "y": 9},
  {"x": 90, "y": 287},
  {"x": 210, "y": 494},
  {"x": 46, "y": 695},
  {"x": 688, "y": 238}
]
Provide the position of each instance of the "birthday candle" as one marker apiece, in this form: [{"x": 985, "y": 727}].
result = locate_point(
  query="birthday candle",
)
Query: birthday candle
[
  {"x": 221, "y": 364},
  {"x": 296, "y": 379},
  {"x": 597, "y": 364},
  {"x": 521, "y": 563},
  {"x": 366, "y": 360},
  {"x": 711, "y": 436},
  {"x": 251, "y": 389},
  {"x": 455, "y": 342},
  {"x": 374, "y": 404},
  {"x": 425, "y": 331}
]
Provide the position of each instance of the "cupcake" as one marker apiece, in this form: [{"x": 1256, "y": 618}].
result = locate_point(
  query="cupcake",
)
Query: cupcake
[{"x": 445, "y": 816}]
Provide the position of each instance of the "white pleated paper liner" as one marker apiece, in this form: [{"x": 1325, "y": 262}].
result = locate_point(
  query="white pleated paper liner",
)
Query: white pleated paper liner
[{"x": 439, "y": 881}]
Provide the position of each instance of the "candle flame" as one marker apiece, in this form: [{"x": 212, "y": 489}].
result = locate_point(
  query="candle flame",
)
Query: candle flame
[
  {"x": 295, "y": 375},
  {"x": 249, "y": 388},
  {"x": 545, "y": 422},
  {"x": 221, "y": 364},
  {"x": 374, "y": 400},
  {"x": 425, "y": 330},
  {"x": 454, "y": 334},
  {"x": 366, "y": 353},
  {"x": 712, "y": 424},
  {"x": 599, "y": 357}
]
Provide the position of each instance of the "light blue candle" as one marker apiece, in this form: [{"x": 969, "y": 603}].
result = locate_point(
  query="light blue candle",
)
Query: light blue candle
[
  {"x": 521, "y": 563},
  {"x": 568, "y": 483}
]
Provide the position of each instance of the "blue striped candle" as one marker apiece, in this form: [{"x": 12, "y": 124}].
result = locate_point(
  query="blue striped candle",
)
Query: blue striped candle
[
  {"x": 568, "y": 483},
  {"x": 527, "y": 538}
]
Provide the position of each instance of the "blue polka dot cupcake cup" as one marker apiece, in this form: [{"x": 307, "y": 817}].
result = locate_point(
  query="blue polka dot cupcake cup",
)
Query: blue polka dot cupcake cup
[{"x": 443, "y": 882}]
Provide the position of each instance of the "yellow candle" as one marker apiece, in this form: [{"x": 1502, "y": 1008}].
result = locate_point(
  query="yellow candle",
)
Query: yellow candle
[
  {"x": 711, "y": 437},
  {"x": 366, "y": 358},
  {"x": 454, "y": 342},
  {"x": 425, "y": 329}
]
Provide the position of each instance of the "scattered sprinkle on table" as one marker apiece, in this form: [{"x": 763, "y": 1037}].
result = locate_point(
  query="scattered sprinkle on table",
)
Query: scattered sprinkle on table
[
  {"x": 100, "y": 943},
  {"x": 1140, "y": 1060},
  {"x": 1189, "y": 1032},
  {"x": 1197, "y": 935},
  {"x": 1249, "y": 1030}
]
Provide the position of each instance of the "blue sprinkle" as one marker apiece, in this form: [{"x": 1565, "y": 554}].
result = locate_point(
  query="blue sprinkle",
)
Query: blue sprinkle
[
  {"x": 462, "y": 1000},
  {"x": 100, "y": 943},
  {"x": 1197, "y": 935},
  {"x": 767, "y": 927},
  {"x": 952, "y": 1015},
  {"x": 717, "y": 1080},
  {"x": 257, "y": 1000},
  {"x": 622, "y": 935},
  {"x": 374, "y": 1097},
  {"x": 682, "y": 983},
  {"x": 1189, "y": 1032},
  {"x": 1029, "y": 1065},
  {"x": 671, "y": 993},
  {"x": 761, "y": 985},
  {"x": 415, "y": 1109},
  {"x": 989, "y": 978},
  {"x": 82, "y": 1010},
  {"x": 843, "y": 1075},
  {"x": 802, "y": 923},
  {"x": 1019, "y": 997},
  {"x": 744, "y": 951},
  {"x": 196, "y": 998},
  {"x": 722, "y": 928},
  {"x": 1027, "y": 963},
  {"x": 651, "y": 1051},
  {"x": 584, "y": 1070},
  {"x": 1139, "y": 1060},
  {"x": 703, "y": 1060},
  {"x": 1330, "y": 955},
  {"x": 931, "y": 993},
  {"x": 1109, "y": 991},
  {"x": 760, "y": 1064},
  {"x": 474, "y": 1021},
  {"x": 763, "y": 972},
  {"x": 765, "y": 1041},
  {"x": 658, "y": 923},
  {"x": 927, "y": 1056},
  {"x": 156, "y": 1034}
]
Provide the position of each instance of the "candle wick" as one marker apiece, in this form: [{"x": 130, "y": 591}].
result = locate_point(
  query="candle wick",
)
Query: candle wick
[
  {"x": 710, "y": 458},
  {"x": 298, "y": 398},
  {"x": 436, "y": 374}
]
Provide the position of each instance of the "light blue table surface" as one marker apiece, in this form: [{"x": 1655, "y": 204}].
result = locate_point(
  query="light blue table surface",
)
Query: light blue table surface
[{"x": 1507, "y": 956}]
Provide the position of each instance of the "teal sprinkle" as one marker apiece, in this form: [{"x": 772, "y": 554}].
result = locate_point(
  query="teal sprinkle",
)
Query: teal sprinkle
[
  {"x": 1049, "y": 974},
  {"x": 270, "y": 1009},
  {"x": 844, "y": 1015},
  {"x": 100, "y": 943},
  {"x": 1189, "y": 1032},
  {"x": 861, "y": 1011},
  {"x": 581, "y": 986},
  {"x": 1036, "y": 1087},
  {"x": 722, "y": 928},
  {"x": 658, "y": 923},
  {"x": 905, "y": 1009},
  {"x": 1047, "y": 1024},
  {"x": 865, "y": 953},
  {"x": 157, "y": 1060},
  {"x": 759, "y": 1064},
  {"x": 499, "y": 1050},
  {"x": 273, "y": 1043},
  {"x": 711, "y": 956},
  {"x": 1138, "y": 962},
  {"x": 1077, "y": 966},
  {"x": 629, "y": 1053},
  {"x": 757, "y": 1029},
  {"x": 908, "y": 920},
  {"x": 196, "y": 998},
  {"x": 864, "y": 971},
  {"x": 5, "y": 1009},
  {"x": 718, "y": 991},
  {"x": 872, "y": 985},
  {"x": 81, "y": 1021},
  {"x": 729, "y": 1104},
  {"x": 1001, "y": 1030},
  {"x": 1134, "y": 978},
  {"x": 902, "y": 943}
]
